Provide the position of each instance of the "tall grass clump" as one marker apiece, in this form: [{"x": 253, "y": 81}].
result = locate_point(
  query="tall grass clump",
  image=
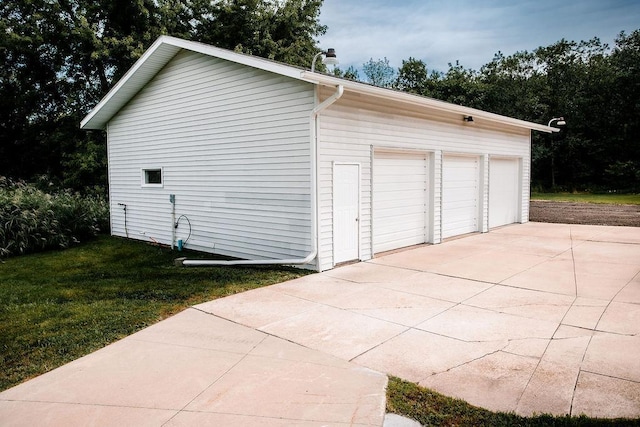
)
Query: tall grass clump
[{"x": 33, "y": 220}]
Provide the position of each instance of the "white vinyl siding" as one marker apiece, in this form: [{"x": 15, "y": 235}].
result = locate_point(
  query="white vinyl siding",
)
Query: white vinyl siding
[
  {"x": 234, "y": 145},
  {"x": 483, "y": 184},
  {"x": 399, "y": 200},
  {"x": 435, "y": 200},
  {"x": 460, "y": 195},
  {"x": 525, "y": 186},
  {"x": 351, "y": 128}
]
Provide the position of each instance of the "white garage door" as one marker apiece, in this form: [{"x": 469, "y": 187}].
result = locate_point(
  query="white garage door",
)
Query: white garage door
[
  {"x": 459, "y": 195},
  {"x": 399, "y": 200},
  {"x": 504, "y": 182}
]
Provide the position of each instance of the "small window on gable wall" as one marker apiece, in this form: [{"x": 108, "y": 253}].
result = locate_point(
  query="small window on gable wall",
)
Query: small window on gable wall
[{"x": 152, "y": 177}]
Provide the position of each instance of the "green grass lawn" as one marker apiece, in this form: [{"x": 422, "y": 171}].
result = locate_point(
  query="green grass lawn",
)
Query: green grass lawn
[
  {"x": 434, "y": 409},
  {"x": 60, "y": 305},
  {"x": 616, "y": 199}
]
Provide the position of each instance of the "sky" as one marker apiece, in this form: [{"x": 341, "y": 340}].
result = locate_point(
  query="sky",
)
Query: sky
[{"x": 440, "y": 32}]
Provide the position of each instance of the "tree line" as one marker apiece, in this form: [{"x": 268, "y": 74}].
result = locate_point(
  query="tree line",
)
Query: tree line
[
  {"x": 58, "y": 58},
  {"x": 596, "y": 88}
]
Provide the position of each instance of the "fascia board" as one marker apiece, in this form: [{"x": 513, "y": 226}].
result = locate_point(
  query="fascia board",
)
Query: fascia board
[
  {"x": 422, "y": 101},
  {"x": 153, "y": 60}
]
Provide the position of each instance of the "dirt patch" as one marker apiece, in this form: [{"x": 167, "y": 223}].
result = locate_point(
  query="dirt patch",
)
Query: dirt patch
[{"x": 584, "y": 213}]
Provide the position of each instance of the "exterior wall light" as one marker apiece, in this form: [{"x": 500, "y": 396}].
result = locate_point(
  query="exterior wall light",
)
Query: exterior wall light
[
  {"x": 560, "y": 121},
  {"x": 468, "y": 119},
  {"x": 329, "y": 58}
]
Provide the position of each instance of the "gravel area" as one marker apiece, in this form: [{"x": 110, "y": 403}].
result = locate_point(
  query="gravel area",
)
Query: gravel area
[{"x": 584, "y": 213}]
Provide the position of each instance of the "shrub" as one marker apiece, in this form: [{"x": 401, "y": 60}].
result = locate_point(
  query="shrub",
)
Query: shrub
[{"x": 33, "y": 220}]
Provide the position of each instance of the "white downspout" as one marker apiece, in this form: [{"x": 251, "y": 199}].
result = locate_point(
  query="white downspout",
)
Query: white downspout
[
  {"x": 210, "y": 262},
  {"x": 327, "y": 102},
  {"x": 314, "y": 202}
]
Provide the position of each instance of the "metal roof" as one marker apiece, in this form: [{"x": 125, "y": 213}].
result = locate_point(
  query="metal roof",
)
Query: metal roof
[{"x": 166, "y": 47}]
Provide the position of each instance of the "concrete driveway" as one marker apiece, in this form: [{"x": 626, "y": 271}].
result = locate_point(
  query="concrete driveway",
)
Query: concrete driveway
[{"x": 532, "y": 318}]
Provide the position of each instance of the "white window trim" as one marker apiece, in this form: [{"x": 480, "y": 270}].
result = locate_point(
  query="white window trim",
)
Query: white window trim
[{"x": 143, "y": 178}]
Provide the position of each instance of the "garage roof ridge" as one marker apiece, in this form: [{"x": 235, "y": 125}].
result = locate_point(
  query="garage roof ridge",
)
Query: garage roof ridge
[{"x": 166, "y": 47}]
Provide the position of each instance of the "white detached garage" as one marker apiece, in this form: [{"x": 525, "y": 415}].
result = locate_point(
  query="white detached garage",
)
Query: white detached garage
[{"x": 270, "y": 162}]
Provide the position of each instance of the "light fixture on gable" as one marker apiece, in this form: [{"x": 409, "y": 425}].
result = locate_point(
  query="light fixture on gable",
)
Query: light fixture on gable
[
  {"x": 560, "y": 121},
  {"x": 468, "y": 119},
  {"x": 329, "y": 58}
]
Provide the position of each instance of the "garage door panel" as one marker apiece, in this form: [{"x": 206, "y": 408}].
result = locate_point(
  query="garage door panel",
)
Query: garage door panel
[
  {"x": 460, "y": 209},
  {"x": 408, "y": 180},
  {"x": 410, "y": 189},
  {"x": 462, "y": 215},
  {"x": 459, "y": 223},
  {"x": 408, "y": 219},
  {"x": 392, "y": 211},
  {"x": 407, "y": 164},
  {"x": 504, "y": 195},
  {"x": 406, "y": 203},
  {"x": 399, "y": 200},
  {"x": 405, "y": 236},
  {"x": 401, "y": 233},
  {"x": 462, "y": 196},
  {"x": 460, "y": 176}
]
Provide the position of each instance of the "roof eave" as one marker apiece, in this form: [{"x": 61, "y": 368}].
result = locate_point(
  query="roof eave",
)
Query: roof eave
[
  {"x": 152, "y": 61},
  {"x": 423, "y": 101},
  {"x": 166, "y": 47},
  {"x": 98, "y": 117}
]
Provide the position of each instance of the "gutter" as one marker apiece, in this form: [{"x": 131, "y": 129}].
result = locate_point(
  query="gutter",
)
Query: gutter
[
  {"x": 314, "y": 202},
  {"x": 210, "y": 262},
  {"x": 423, "y": 101}
]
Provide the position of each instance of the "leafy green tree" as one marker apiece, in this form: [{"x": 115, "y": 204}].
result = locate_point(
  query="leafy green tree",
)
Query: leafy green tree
[
  {"x": 59, "y": 57},
  {"x": 514, "y": 86},
  {"x": 623, "y": 170},
  {"x": 379, "y": 72},
  {"x": 350, "y": 73},
  {"x": 283, "y": 31},
  {"x": 461, "y": 86},
  {"x": 594, "y": 87},
  {"x": 412, "y": 77},
  {"x": 458, "y": 85},
  {"x": 577, "y": 79}
]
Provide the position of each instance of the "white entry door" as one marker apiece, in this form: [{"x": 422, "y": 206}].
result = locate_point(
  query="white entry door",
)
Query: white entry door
[{"x": 346, "y": 212}]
